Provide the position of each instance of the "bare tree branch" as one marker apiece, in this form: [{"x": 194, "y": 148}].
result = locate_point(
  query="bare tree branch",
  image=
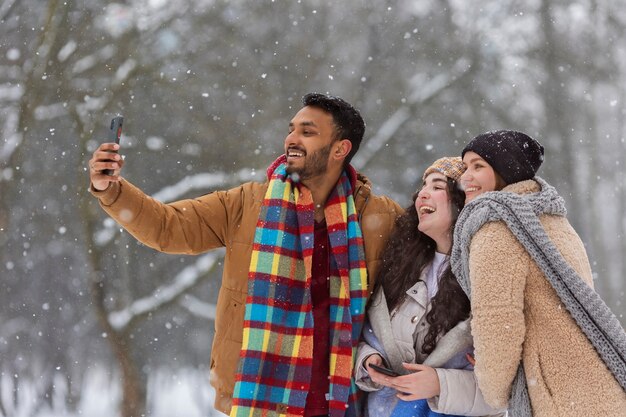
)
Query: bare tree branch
[
  {"x": 162, "y": 297},
  {"x": 420, "y": 94}
]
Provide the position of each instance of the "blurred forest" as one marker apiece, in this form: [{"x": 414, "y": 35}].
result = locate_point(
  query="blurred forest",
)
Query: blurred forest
[{"x": 207, "y": 88}]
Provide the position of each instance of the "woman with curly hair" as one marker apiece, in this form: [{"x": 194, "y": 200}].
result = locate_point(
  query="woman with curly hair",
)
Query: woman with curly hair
[{"x": 418, "y": 314}]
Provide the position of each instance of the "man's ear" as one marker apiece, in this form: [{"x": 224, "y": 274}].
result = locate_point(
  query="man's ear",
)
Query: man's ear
[{"x": 342, "y": 149}]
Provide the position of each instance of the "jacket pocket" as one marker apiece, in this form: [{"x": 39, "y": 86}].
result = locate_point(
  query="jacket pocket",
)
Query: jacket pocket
[{"x": 232, "y": 320}]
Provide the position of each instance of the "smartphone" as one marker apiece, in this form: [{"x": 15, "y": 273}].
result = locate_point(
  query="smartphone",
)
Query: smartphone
[
  {"x": 383, "y": 370},
  {"x": 115, "y": 133}
]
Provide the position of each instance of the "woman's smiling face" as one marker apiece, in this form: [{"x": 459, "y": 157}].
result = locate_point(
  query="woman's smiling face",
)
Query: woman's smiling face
[
  {"x": 434, "y": 210},
  {"x": 478, "y": 178}
]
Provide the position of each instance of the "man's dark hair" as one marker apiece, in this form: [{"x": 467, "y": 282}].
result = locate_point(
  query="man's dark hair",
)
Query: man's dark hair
[{"x": 348, "y": 121}]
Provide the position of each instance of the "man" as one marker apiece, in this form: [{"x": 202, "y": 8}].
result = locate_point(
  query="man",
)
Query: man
[{"x": 303, "y": 249}]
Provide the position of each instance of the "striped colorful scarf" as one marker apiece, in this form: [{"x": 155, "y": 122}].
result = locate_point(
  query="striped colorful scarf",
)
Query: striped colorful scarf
[{"x": 275, "y": 364}]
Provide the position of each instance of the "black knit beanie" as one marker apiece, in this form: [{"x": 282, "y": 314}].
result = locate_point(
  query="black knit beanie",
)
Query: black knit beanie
[{"x": 515, "y": 156}]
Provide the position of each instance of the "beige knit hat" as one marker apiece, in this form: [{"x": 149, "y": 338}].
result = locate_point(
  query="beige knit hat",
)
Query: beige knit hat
[{"x": 450, "y": 166}]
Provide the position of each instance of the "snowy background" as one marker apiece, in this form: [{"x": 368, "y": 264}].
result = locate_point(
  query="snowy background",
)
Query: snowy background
[{"x": 93, "y": 323}]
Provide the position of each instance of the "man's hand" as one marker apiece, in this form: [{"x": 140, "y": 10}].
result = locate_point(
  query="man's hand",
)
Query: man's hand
[{"x": 105, "y": 158}]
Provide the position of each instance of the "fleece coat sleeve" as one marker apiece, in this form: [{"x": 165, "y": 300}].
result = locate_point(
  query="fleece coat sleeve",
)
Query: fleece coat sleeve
[{"x": 498, "y": 266}]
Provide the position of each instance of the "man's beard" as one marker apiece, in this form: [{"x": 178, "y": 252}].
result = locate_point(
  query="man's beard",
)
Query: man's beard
[{"x": 314, "y": 165}]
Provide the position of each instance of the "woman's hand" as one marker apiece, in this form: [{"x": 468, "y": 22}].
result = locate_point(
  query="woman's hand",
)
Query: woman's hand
[
  {"x": 375, "y": 358},
  {"x": 375, "y": 376},
  {"x": 421, "y": 383}
]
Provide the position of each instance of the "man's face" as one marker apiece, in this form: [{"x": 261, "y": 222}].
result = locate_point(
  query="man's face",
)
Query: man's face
[{"x": 309, "y": 143}]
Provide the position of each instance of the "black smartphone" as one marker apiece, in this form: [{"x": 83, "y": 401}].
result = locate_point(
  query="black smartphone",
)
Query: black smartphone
[
  {"x": 115, "y": 133},
  {"x": 383, "y": 370}
]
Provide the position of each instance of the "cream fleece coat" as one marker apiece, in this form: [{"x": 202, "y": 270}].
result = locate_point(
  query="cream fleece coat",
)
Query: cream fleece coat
[{"x": 517, "y": 316}]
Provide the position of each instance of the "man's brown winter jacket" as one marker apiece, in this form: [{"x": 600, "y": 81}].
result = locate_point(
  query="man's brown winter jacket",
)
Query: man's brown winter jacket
[{"x": 228, "y": 219}]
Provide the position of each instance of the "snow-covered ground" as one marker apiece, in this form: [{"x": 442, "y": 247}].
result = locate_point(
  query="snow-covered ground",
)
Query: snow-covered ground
[{"x": 170, "y": 393}]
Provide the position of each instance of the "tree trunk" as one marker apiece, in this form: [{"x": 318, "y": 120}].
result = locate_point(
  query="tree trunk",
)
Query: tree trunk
[{"x": 133, "y": 395}]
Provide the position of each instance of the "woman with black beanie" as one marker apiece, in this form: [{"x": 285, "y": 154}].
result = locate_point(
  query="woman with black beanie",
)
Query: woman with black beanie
[{"x": 545, "y": 343}]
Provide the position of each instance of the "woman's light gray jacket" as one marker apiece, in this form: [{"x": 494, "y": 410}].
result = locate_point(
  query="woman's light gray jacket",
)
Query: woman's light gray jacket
[{"x": 402, "y": 338}]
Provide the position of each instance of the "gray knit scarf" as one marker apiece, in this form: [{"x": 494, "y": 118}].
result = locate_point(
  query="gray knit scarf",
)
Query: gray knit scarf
[{"x": 520, "y": 213}]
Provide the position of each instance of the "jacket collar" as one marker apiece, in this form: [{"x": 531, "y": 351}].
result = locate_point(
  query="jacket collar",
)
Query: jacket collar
[
  {"x": 362, "y": 191},
  {"x": 523, "y": 187},
  {"x": 418, "y": 292},
  {"x": 456, "y": 340}
]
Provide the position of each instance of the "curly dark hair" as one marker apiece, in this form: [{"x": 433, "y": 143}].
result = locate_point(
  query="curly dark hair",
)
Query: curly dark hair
[
  {"x": 407, "y": 253},
  {"x": 348, "y": 121}
]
